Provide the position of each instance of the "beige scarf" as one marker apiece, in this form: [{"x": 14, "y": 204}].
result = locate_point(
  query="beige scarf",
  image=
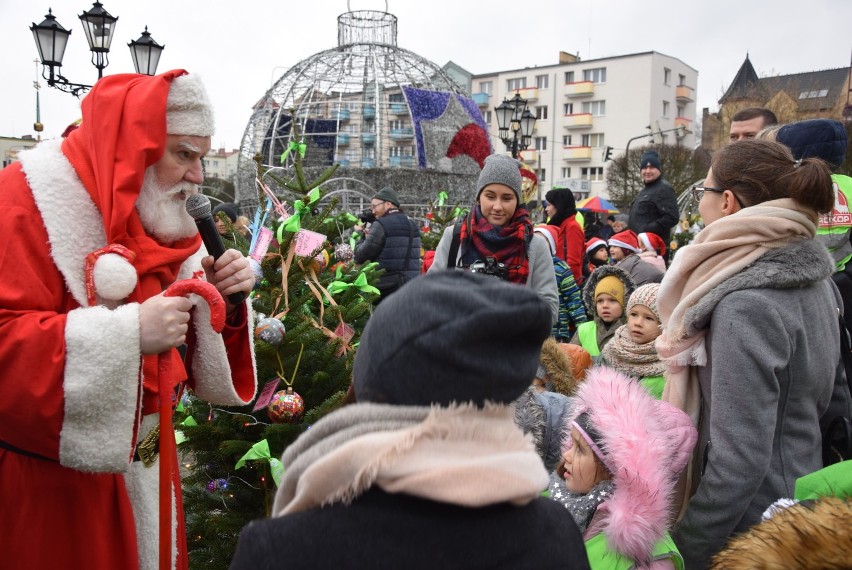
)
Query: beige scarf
[
  {"x": 461, "y": 455},
  {"x": 625, "y": 355}
]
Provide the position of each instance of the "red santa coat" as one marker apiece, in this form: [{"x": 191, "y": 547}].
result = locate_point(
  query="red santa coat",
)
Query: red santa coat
[
  {"x": 71, "y": 389},
  {"x": 570, "y": 246}
]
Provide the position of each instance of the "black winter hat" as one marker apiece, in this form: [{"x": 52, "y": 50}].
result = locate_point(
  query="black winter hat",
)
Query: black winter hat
[
  {"x": 822, "y": 138},
  {"x": 228, "y": 209},
  {"x": 650, "y": 158},
  {"x": 563, "y": 200},
  {"x": 451, "y": 336}
]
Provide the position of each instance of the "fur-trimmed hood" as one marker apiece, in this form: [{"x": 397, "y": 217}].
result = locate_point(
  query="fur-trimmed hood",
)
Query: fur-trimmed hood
[
  {"x": 814, "y": 535},
  {"x": 647, "y": 442},
  {"x": 559, "y": 368},
  {"x": 596, "y": 276}
]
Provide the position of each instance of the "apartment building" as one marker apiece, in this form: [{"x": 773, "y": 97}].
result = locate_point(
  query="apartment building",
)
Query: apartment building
[
  {"x": 11, "y": 146},
  {"x": 221, "y": 163},
  {"x": 582, "y": 107}
]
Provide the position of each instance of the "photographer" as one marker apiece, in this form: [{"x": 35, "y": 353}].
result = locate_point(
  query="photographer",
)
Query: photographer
[
  {"x": 496, "y": 238},
  {"x": 393, "y": 241}
]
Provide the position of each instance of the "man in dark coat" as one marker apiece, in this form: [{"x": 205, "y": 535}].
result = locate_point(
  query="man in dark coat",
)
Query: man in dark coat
[
  {"x": 393, "y": 241},
  {"x": 655, "y": 208},
  {"x": 428, "y": 469}
]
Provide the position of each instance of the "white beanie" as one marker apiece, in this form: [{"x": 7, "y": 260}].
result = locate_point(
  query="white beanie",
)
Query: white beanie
[{"x": 188, "y": 110}]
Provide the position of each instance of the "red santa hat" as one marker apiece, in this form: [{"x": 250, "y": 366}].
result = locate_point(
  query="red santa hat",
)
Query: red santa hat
[
  {"x": 653, "y": 242},
  {"x": 625, "y": 240},
  {"x": 594, "y": 244},
  {"x": 550, "y": 233}
]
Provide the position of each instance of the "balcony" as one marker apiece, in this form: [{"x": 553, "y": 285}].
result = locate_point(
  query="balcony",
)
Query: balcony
[
  {"x": 684, "y": 94},
  {"x": 405, "y": 160},
  {"x": 481, "y": 99},
  {"x": 340, "y": 115},
  {"x": 529, "y": 156},
  {"x": 344, "y": 163},
  {"x": 342, "y": 139},
  {"x": 579, "y": 89},
  {"x": 575, "y": 153},
  {"x": 578, "y": 121},
  {"x": 369, "y": 112},
  {"x": 369, "y": 139},
  {"x": 398, "y": 108},
  {"x": 402, "y": 134},
  {"x": 528, "y": 93},
  {"x": 368, "y": 163}
]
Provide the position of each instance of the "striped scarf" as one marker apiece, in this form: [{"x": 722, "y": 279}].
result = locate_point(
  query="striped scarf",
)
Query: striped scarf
[{"x": 508, "y": 244}]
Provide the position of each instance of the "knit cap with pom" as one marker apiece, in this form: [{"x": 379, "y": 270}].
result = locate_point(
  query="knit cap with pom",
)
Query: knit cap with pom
[{"x": 646, "y": 295}]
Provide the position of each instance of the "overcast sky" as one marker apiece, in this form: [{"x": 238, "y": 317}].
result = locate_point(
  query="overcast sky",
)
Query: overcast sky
[{"x": 241, "y": 47}]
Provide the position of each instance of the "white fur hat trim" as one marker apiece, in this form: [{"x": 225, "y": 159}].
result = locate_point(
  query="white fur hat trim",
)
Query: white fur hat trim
[
  {"x": 115, "y": 277},
  {"x": 188, "y": 111}
]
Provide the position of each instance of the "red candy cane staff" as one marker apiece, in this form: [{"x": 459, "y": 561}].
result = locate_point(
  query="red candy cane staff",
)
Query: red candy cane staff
[{"x": 167, "y": 434}]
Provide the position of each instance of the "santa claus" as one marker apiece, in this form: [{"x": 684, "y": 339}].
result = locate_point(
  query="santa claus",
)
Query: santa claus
[{"x": 95, "y": 229}]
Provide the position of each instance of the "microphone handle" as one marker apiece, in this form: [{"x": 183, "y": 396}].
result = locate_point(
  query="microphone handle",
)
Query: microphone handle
[{"x": 213, "y": 242}]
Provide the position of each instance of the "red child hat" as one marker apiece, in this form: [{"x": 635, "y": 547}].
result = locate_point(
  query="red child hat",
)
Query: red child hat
[
  {"x": 653, "y": 241},
  {"x": 594, "y": 244},
  {"x": 626, "y": 239}
]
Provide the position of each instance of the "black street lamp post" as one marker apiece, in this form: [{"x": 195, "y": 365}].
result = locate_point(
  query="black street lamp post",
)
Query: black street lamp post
[
  {"x": 99, "y": 26},
  {"x": 515, "y": 124}
]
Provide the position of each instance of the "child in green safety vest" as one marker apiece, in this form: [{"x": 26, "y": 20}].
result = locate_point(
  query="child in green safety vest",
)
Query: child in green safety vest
[
  {"x": 632, "y": 348},
  {"x": 604, "y": 294},
  {"x": 621, "y": 462}
]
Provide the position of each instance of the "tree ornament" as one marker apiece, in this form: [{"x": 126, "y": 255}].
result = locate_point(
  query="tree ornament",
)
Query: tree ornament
[
  {"x": 320, "y": 261},
  {"x": 217, "y": 485},
  {"x": 270, "y": 330},
  {"x": 286, "y": 406},
  {"x": 343, "y": 252}
]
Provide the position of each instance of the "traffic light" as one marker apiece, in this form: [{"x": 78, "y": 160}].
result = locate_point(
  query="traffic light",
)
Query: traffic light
[{"x": 608, "y": 154}]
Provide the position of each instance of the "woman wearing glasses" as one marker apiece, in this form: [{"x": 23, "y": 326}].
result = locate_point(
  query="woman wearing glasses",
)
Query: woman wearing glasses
[{"x": 751, "y": 339}]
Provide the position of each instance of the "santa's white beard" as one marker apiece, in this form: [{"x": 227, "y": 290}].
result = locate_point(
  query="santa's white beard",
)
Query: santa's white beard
[{"x": 163, "y": 210}]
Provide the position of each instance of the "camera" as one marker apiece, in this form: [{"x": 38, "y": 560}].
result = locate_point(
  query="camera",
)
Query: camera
[
  {"x": 489, "y": 267},
  {"x": 367, "y": 216}
]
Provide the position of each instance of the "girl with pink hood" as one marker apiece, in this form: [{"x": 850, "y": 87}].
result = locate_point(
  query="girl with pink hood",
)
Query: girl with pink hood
[{"x": 620, "y": 464}]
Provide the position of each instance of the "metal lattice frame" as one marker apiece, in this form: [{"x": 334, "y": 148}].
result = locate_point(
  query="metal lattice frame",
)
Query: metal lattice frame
[{"x": 352, "y": 96}]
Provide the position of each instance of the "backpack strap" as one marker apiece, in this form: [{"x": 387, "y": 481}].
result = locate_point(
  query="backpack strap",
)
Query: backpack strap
[{"x": 454, "y": 247}]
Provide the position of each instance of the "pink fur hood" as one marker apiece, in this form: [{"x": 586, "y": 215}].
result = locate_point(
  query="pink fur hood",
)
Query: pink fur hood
[{"x": 648, "y": 443}]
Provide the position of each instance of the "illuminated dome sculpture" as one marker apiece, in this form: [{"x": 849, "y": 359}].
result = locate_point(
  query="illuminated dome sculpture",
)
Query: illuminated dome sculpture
[{"x": 386, "y": 115}]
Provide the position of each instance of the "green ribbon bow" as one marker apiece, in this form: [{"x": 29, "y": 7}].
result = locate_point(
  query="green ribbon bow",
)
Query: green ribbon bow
[
  {"x": 359, "y": 283},
  {"x": 189, "y": 421},
  {"x": 260, "y": 452},
  {"x": 442, "y": 198},
  {"x": 299, "y": 147},
  {"x": 294, "y": 223}
]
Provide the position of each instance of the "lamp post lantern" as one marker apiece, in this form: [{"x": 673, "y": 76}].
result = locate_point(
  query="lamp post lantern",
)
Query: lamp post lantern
[
  {"x": 515, "y": 124},
  {"x": 99, "y": 26}
]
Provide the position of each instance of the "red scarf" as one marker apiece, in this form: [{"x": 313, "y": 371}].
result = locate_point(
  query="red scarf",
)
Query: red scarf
[
  {"x": 124, "y": 132},
  {"x": 509, "y": 244}
]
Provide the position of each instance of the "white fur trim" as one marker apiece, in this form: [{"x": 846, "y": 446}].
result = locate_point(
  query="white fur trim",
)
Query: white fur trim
[
  {"x": 188, "y": 111},
  {"x": 143, "y": 489},
  {"x": 115, "y": 277},
  {"x": 619, "y": 243},
  {"x": 102, "y": 387},
  {"x": 74, "y": 224},
  {"x": 548, "y": 236}
]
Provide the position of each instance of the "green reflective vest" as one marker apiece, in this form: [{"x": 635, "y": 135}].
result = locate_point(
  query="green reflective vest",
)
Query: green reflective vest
[
  {"x": 654, "y": 385},
  {"x": 587, "y": 334},
  {"x": 834, "y": 227},
  {"x": 601, "y": 557}
]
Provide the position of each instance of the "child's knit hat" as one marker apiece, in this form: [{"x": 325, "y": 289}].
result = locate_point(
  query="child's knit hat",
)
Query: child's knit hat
[
  {"x": 646, "y": 295},
  {"x": 612, "y": 286},
  {"x": 626, "y": 240},
  {"x": 594, "y": 244},
  {"x": 653, "y": 242},
  {"x": 590, "y": 287}
]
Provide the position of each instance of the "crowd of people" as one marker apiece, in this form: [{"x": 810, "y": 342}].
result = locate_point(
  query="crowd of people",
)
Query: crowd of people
[{"x": 539, "y": 398}]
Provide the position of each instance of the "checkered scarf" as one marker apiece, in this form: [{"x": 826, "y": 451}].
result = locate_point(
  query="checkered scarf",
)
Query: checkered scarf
[{"x": 509, "y": 244}]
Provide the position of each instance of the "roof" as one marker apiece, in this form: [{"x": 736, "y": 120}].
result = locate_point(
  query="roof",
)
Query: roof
[
  {"x": 581, "y": 62},
  {"x": 744, "y": 84}
]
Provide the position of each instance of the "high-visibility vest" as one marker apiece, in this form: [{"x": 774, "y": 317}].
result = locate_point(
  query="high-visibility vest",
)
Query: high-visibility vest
[
  {"x": 834, "y": 227},
  {"x": 587, "y": 334}
]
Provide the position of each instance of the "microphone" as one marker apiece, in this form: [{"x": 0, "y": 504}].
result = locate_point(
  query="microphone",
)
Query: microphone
[{"x": 198, "y": 206}]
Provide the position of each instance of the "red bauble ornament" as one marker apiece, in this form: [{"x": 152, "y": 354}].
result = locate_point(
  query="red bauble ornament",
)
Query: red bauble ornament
[{"x": 286, "y": 406}]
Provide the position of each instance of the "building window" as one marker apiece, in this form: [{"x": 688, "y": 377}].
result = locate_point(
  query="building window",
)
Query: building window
[
  {"x": 596, "y": 75},
  {"x": 487, "y": 117},
  {"x": 541, "y": 81},
  {"x": 681, "y": 111},
  {"x": 486, "y": 87},
  {"x": 540, "y": 143},
  {"x": 594, "y": 173},
  {"x": 568, "y": 109},
  {"x": 593, "y": 140},
  {"x": 396, "y": 98},
  {"x": 396, "y": 151},
  {"x": 541, "y": 112},
  {"x": 517, "y": 83},
  {"x": 681, "y": 79},
  {"x": 566, "y": 140},
  {"x": 542, "y": 175},
  {"x": 397, "y": 125},
  {"x": 667, "y": 76},
  {"x": 566, "y": 172},
  {"x": 569, "y": 77},
  {"x": 665, "y": 108},
  {"x": 813, "y": 94},
  {"x": 596, "y": 108}
]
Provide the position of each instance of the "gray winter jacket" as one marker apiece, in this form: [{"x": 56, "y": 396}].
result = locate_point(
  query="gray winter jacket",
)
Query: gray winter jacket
[
  {"x": 773, "y": 367},
  {"x": 542, "y": 279},
  {"x": 642, "y": 272}
]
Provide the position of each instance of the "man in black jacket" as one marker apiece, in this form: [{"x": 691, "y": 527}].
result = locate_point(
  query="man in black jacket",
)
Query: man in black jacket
[
  {"x": 393, "y": 241},
  {"x": 654, "y": 210}
]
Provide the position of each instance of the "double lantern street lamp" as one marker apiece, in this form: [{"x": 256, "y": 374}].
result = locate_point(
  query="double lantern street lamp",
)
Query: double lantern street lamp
[
  {"x": 515, "y": 123},
  {"x": 51, "y": 39}
]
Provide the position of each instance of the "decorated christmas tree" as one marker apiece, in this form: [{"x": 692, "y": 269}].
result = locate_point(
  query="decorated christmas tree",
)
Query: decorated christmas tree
[
  {"x": 311, "y": 303},
  {"x": 439, "y": 215}
]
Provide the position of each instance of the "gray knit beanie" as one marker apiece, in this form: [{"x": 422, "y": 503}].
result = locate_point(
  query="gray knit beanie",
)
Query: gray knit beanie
[
  {"x": 387, "y": 194},
  {"x": 451, "y": 336},
  {"x": 500, "y": 169}
]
